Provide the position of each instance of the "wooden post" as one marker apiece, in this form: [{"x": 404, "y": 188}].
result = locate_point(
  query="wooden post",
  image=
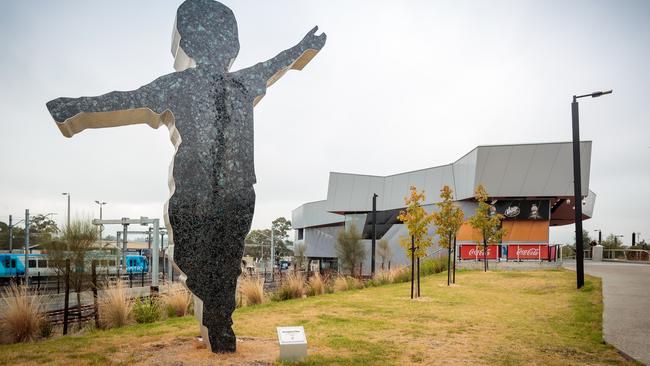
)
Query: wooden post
[
  {"x": 66, "y": 299},
  {"x": 94, "y": 286},
  {"x": 130, "y": 279}
]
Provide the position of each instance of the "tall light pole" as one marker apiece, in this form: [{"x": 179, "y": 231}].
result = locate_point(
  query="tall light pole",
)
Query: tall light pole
[
  {"x": 577, "y": 183},
  {"x": 600, "y": 236},
  {"x": 68, "y": 194},
  {"x": 101, "y": 226}
]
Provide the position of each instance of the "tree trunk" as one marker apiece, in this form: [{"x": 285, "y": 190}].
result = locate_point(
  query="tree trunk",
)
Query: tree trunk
[
  {"x": 485, "y": 265},
  {"x": 418, "y": 276},
  {"x": 454, "y": 277},
  {"x": 449, "y": 260},
  {"x": 412, "y": 264}
]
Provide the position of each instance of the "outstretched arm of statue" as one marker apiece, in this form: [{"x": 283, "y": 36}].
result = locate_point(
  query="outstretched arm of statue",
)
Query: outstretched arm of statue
[
  {"x": 268, "y": 72},
  {"x": 118, "y": 108}
]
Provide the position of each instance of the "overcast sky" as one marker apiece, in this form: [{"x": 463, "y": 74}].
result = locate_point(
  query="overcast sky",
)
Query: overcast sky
[{"x": 400, "y": 85}]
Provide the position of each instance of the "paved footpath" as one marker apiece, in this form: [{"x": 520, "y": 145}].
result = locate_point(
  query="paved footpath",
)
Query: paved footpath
[{"x": 626, "y": 299}]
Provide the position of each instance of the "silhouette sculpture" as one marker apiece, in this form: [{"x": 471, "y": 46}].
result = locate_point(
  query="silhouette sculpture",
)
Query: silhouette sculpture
[{"x": 209, "y": 113}]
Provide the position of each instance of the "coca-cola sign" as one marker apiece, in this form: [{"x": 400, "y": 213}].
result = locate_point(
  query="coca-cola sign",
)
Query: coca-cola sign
[
  {"x": 476, "y": 252},
  {"x": 527, "y": 251}
]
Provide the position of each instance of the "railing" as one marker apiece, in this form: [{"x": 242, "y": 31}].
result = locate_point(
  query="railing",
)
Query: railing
[{"x": 627, "y": 255}]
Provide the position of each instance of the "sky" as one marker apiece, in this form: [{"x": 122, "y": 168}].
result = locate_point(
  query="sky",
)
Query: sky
[{"x": 399, "y": 86}]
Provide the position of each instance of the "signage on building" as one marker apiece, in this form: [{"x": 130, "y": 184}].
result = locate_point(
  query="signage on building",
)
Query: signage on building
[
  {"x": 528, "y": 252},
  {"x": 523, "y": 209},
  {"x": 472, "y": 251}
]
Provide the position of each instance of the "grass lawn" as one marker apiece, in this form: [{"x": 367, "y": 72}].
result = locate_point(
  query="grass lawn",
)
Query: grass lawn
[{"x": 505, "y": 318}]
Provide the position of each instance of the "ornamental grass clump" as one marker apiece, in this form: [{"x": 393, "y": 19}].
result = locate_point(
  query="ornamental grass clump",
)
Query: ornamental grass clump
[
  {"x": 115, "y": 306},
  {"x": 293, "y": 287},
  {"x": 401, "y": 274},
  {"x": 340, "y": 284},
  {"x": 21, "y": 313},
  {"x": 147, "y": 310},
  {"x": 316, "y": 285},
  {"x": 251, "y": 290},
  {"x": 177, "y": 300}
]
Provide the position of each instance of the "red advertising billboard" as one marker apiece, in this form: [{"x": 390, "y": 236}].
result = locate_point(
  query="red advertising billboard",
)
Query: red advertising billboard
[
  {"x": 528, "y": 252},
  {"x": 472, "y": 251}
]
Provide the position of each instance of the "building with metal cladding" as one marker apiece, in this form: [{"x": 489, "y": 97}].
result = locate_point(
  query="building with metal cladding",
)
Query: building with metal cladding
[{"x": 531, "y": 184}]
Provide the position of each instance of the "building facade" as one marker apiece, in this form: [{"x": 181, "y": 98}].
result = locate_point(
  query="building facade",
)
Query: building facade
[{"x": 531, "y": 184}]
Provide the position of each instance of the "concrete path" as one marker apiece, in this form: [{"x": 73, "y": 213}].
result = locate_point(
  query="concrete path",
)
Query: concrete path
[{"x": 626, "y": 298}]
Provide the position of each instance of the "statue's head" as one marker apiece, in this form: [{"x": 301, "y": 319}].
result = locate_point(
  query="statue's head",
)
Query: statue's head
[{"x": 205, "y": 33}]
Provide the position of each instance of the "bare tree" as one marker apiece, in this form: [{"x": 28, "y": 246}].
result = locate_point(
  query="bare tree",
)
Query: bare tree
[
  {"x": 349, "y": 248},
  {"x": 299, "y": 257},
  {"x": 384, "y": 252}
]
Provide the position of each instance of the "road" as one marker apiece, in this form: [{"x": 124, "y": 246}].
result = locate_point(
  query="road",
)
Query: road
[{"x": 626, "y": 298}]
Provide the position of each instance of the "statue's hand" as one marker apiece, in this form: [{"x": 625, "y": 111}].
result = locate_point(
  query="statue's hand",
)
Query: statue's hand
[
  {"x": 312, "y": 41},
  {"x": 61, "y": 109}
]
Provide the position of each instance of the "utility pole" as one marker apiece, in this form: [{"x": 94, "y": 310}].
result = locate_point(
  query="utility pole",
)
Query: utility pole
[
  {"x": 272, "y": 255},
  {"x": 125, "y": 226},
  {"x": 101, "y": 227},
  {"x": 11, "y": 235},
  {"x": 26, "y": 246},
  {"x": 374, "y": 233}
]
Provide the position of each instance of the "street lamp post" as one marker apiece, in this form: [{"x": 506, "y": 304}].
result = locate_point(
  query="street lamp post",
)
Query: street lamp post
[
  {"x": 68, "y": 194},
  {"x": 101, "y": 226},
  {"x": 577, "y": 186},
  {"x": 600, "y": 236}
]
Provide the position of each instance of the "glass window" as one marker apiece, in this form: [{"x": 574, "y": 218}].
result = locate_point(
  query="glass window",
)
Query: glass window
[
  {"x": 42, "y": 263},
  {"x": 32, "y": 263},
  {"x": 111, "y": 263},
  {"x": 301, "y": 233},
  {"x": 7, "y": 262},
  {"x": 13, "y": 263}
]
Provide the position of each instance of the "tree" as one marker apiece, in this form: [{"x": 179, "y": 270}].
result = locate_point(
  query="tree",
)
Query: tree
[
  {"x": 41, "y": 230},
  {"x": 586, "y": 239},
  {"x": 299, "y": 257},
  {"x": 611, "y": 242},
  {"x": 417, "y": 221},
  {"x": 79, "y": 239},
  {"x": 349, "y": 248},
  {"x": 448, "y": 221},
  {"x": 281, "y": 228},
  {"x": 384, "y": 252},
  {"x": 486, "y": 222}
]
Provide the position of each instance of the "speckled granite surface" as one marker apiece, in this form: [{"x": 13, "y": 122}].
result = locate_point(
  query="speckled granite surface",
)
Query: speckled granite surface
[{"x": 209, "y": 112}]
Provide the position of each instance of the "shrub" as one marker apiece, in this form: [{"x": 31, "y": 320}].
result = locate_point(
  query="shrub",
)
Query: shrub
[
  {"x": 115, "y": 306},
  {"x": 433, "y": 265},
  {"x": 147, "y": 310},
  {"x": 251, "y": 291},
  {"x": 22, "y": 313},
  {"x": 402, "y": 274},
  {"x": 45, "y": 328},
  {"x": 340, "y": 284},
  {"x": 291, "y": 288},
  {"x": 316, "y": 285},
  {"x": 354, "y": 283},
  {"x": 177, "y": 300},
  {"x": 382, "y": 278}
]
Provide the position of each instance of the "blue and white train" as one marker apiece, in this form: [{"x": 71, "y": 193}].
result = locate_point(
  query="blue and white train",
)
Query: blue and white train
[{"x": 13, "y": 264}]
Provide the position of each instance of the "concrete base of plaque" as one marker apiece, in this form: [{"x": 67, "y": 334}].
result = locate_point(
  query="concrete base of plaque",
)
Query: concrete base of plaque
[
  {"x": 293, "y": 343},
  {"x": 597, "y": 253}
]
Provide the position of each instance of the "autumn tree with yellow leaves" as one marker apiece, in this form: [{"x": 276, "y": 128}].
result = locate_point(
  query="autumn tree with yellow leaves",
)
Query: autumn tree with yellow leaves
[
  {"x": 448, "y": 221},
  {"x": 486, "y": 222},
  {"x": 417, "y": 221}
]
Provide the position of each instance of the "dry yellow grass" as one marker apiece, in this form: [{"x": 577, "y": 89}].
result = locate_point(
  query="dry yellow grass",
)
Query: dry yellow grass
[
  {"x": 21, "y": 313},
  {"x": 177, "y": 300},
  {"x": 115, "y": 306},
  {"x": 292, "y": 287},
  {"x": 340, "y": 284},
  {"x": 494, "y": 318},
  {"x": 316, "y": 285},
  {"x": 252, "y": 291}
]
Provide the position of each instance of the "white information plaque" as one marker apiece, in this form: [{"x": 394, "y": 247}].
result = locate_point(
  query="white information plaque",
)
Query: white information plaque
[{"x": 293, "y": 343}]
